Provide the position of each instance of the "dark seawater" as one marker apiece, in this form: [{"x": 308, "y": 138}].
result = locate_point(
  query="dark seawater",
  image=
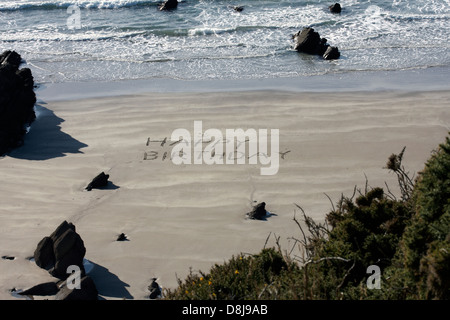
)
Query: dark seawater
[{"x": 208, "y": 40}]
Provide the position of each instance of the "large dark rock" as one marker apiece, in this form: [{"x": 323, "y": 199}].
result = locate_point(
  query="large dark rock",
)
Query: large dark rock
[
  {"x": 169, "y": 5},
  {"x": 335, "y": 8},
  {"x": 87, "y": 291},
  {"x": 43, "y": 255},
  {"x": 43, "y": 289},
  {"x": 69, "y": 250},
  {"x": 64, "y": 247},
  {"x": 331, "y": 53},
  {"x": 17, "y": 100},
  {"x": 259, "y": 212},
  {"x": 10, "y": 57},
  {"x": 99, "y": 181},
  {"x": 309, "y": 41},
  {"x": 61, "y": 229}
]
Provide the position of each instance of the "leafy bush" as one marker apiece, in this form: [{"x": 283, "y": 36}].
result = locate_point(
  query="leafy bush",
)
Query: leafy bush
[
  {"x": 242, "y": 277},
  {"x": 425, "y": 245}
]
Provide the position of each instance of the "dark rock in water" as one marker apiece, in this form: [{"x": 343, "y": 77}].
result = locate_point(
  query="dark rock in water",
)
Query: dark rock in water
[
  {"x": 64, "y": 247},
  {"x": 309, "y": 41},
  {"x": 169, "y": 5},
  {"x": 87, "y": 291},
  {"x": 155, "y": 289},
  {"x": 331, "y": 53},
  {"x": 10, "y": 57},
  {"x": 335, "y": 8},
  {"x": 17, "y": 100},
  {"x": 99, "y": 181},
  {"x": 259, "y": 212},
  {"x": 43, "y": 289},
  {"x": 238, "y": 8},
  {"x": 122, "y": 237}
]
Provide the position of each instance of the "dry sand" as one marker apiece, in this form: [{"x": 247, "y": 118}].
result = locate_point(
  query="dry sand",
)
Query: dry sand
[{"x": 177, "y": 217}]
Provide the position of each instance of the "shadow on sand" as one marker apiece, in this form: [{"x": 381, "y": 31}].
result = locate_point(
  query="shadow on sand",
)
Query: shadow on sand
[
  {"x": 108, "y": 284},
  {"x": 45, "y": 140}
]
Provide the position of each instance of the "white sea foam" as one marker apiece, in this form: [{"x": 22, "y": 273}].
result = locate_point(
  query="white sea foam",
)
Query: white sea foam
[
  {"x": 49, "y": 4},
  {"x": 208, "y": 40}
]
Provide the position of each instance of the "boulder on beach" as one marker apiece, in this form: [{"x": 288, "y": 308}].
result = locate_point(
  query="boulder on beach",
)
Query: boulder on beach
[
  {"x": 44, "y": 255},
  {"x": 259, "y": 212},
  {"x": 168, "y": 5},
  {"x": 99, "y": 181},
  {"x": 17, "y": 99},
  {"x": 335, "y": 8},
  {"x": 43, "y": 289},
  {"x": 86, "y": 291},
  {"x": 63, "y": 248},
  {"x": 309, "y": 41}
]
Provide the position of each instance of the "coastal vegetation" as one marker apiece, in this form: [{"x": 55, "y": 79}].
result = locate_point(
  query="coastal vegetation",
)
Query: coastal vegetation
[{"x": 405, "y": 236}]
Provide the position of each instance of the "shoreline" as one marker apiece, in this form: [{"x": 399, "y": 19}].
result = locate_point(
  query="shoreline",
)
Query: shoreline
[
  {"x": 427, "y": 79},
  {"x": 177, "y": 217}
]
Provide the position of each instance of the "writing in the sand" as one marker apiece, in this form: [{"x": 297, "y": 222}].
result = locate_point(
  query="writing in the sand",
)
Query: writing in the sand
[{"x": 161, "y": 149}]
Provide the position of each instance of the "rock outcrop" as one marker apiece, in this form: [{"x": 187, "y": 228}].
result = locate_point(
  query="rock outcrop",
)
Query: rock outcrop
[
  {"x": 309, "y": 41},
  {"x": 86, "y": 291},
  {"x": 17, "y": 100},
  {"x": 43, "y": 289},
  {"x": 63, "y": 248},
  {"x": 57, "y": 252}
]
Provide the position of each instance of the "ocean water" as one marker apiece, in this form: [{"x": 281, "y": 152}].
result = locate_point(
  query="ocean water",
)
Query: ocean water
[{"x": 103, "y": 40}]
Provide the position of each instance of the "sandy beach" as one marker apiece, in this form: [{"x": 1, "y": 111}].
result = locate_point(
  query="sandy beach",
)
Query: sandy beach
[{"x": 179, "y": 217}]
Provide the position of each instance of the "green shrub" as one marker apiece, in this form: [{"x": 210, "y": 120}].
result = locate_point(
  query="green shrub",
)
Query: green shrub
[
  {"x": 242, "y": 277},
  {"x": 425, "y": 243}
]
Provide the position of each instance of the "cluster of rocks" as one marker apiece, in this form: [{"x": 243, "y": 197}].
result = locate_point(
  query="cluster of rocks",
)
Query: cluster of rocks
[
  {"x": 64, "y": 247},
  {"x": 55, "y": 253},
  {"x": 173, "y": 4},
  {"x": 17, "y": 99},
  {"x": 309, "y": 41}
]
